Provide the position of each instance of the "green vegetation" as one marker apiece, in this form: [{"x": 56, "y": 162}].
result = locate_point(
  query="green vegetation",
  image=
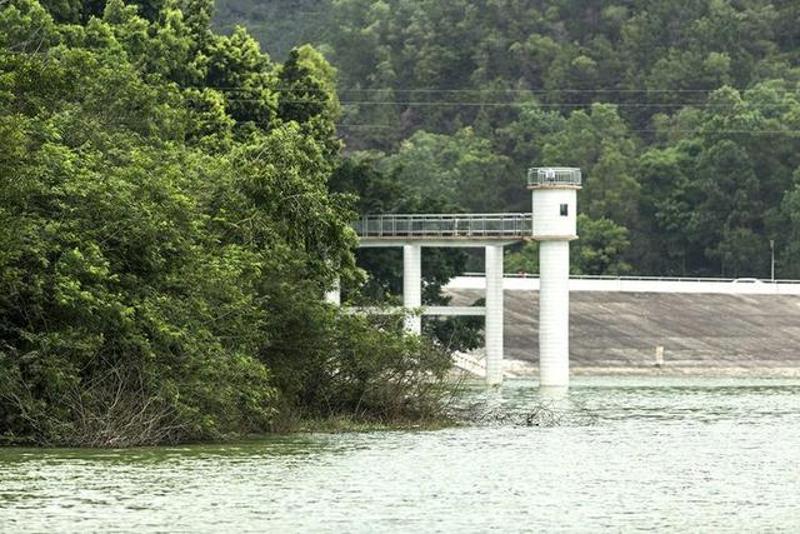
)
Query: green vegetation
[
  {"x": 167, "y": 233},
  {"x": 174, "y": 203},
  {"x": 683, "y": 115}
]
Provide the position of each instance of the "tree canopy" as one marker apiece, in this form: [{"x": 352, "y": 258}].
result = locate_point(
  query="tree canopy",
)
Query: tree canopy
[
  {"x": 683, "y": 115},
  {"x": 168, "y": 233}
]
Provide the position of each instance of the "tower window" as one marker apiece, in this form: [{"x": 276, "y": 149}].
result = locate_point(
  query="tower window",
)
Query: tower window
[{"x": 564, "y": 210}]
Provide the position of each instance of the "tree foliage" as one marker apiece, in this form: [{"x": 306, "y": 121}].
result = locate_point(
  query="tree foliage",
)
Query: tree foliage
[
  {"x": 168, "y": 233},
  {"x": 683, "y": 115}
]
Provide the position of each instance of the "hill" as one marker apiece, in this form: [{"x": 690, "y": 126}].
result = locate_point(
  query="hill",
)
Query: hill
[{"x": 684, "y": 116}]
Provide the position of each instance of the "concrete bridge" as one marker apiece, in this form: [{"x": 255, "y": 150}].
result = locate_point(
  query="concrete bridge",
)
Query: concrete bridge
[
  {"x": 493, "y": 232},
  {"x": 413, "y": 232},
  {"x": 552, "y": 223}
]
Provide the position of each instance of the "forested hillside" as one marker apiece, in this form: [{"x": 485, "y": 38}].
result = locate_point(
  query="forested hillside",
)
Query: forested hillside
[{"x": 684, "y": 116}]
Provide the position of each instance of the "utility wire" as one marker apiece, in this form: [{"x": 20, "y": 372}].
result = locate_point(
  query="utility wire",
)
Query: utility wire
[
  {"x": 423, "y": 103},
  {"x": 665, "y": 131},
  {"x": 704, "y": 131},
  {"x": 457, "y": 91}
]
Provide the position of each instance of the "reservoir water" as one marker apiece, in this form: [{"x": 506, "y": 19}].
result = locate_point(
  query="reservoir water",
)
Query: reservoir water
[{"x": 615, "y": 454}]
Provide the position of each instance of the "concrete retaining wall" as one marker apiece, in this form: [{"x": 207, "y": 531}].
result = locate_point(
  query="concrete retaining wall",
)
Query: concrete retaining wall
[{"x": 623, "y": 328}]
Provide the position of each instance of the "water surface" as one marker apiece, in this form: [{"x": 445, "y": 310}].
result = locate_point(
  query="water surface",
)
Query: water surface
[{"x": 618, "y": 454}]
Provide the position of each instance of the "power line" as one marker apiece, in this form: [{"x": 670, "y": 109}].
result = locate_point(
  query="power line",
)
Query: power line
[
  {"x": 515, "y": 91},
  {"x": 698, "y": 131},
  {"x": 665, "y": 131},
  {"x": 422, "y": 103}
]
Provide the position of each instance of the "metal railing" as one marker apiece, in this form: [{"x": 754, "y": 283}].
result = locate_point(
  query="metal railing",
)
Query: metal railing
[
  {"x": 453, "y": 225},
  {"x": 544, "y": 176},
  {"x": 742, "y": 281}
]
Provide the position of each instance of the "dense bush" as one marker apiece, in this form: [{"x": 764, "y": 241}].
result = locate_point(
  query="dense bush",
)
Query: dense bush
[
  {"x": 354, "y": 366},
  {"x": 166, "y": 235}
]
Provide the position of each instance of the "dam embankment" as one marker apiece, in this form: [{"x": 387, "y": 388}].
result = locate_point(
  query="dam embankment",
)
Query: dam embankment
[{"x": 621, "y": 330}]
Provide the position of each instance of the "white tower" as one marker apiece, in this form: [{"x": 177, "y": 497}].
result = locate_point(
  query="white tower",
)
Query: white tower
[{"x": 554, "y": 214}]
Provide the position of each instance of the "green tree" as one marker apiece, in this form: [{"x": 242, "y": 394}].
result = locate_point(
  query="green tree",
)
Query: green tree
[
  {"x": 667, "y": 205},
  {"x": 167, "y": 242},
  {"x": 237, "y": 68},
  {"x": 307, "y": 87},
  {"x": 459, "y": 168},
  {"x": 599, "y": 250},
  {"x": 599, "y": 143},
  {"x": 788, "y": 247}
]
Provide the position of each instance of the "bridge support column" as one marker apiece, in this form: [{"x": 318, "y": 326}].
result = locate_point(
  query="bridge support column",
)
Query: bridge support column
[
  {"x": 412, "y": 286},
  {"x": 494, "y": 314},
  {"x": 334, "y": 296}
]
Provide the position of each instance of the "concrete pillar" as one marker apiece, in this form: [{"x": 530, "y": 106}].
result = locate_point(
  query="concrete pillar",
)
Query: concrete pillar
[
  {"x": 554, "y": 313},
  {"x": 412, "y": 286},
  {"x": 555, "y": 212},
  {"x": 334, "y": 296},
  {"x": 494, "y": 314}
]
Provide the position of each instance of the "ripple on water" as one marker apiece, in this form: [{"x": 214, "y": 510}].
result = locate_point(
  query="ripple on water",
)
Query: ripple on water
[{"x": 619, "y": 454}]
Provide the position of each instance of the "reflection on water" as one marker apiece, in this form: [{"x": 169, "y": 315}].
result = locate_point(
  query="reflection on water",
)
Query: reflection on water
[{"x": 619, "y": 454}]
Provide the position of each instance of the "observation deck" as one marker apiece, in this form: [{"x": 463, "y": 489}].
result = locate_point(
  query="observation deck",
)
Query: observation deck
[
  {"x": 443, "y": 230},
  {"x": 554, "y": 177}
]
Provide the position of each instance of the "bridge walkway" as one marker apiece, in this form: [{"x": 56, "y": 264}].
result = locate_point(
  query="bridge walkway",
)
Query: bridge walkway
[{"x": 443, "y": 229}]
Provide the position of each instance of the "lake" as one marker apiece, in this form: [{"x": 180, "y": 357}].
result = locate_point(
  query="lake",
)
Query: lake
[{"x": 615, "y": 454}]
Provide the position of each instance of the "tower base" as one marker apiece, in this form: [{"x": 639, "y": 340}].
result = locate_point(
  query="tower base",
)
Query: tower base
[{"x": 554, "y": 313}]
